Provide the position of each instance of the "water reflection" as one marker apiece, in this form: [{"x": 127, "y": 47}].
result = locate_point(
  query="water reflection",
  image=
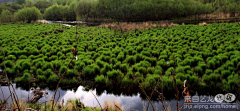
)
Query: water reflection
[{"x": 131, "y": 102}]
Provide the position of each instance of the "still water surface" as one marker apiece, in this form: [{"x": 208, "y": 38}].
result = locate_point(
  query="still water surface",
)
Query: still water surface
[{"x": 133, "y": 102}]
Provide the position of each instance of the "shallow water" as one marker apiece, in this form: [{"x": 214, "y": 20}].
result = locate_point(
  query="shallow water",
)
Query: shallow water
[{"x": 133, "y": 102}]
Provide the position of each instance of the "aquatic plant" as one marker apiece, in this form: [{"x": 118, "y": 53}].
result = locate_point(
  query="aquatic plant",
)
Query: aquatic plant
[
  {"x": 99, "y": 79},
  {"x": 47, "y": 65},
  {"x": 52, "y": 79}
]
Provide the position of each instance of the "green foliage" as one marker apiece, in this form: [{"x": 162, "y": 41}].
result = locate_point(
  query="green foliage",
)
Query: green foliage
[
  {"x": 225, "y": 73},
  {"x": 11, "y": 57},
  {"x": 48, "y": 72},
  {"x": 47, "y": 65},
  {"x": 120, "y": 56},
  {"x": 114, "y": 75},
  {"x": 23, "y": 57},
  {"x": 53, "y": 79},
  {"x": 124, "y": 68},
  {"x": 60, "y": 12},
  {"x": 62, "y": 69},
  {"x": 150, "y": 70},
  {"x": 27, "y": 14},
  {"x": 99, "y": 79},
  {"x": 233, "y": 81},
  {"x": 25, "y": 78},
  {"x": 6, "y": 16},
  {"x": 42, "y": 5},
  {"x": 41, "y": 78},
  {"x": 196, "y": 53},
  {"x": 180, "y": 69},
  {"x": 90, "y": 72},
  {"x": 39, "y": 72},
  {"x": 131, "y": 60},
  {"x": 212, "y": 77},
  {"x": 26, "y": 65}
]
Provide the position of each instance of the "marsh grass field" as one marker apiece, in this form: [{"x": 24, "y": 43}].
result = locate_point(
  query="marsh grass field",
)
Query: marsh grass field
[{"x": 207, "y": 56}]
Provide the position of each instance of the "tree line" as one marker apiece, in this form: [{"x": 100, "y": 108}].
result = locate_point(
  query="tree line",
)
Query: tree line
[{"x": 118, "y": 10}]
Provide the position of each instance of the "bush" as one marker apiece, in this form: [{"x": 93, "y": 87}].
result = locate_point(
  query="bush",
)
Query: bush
[
  {"x": 165, "y": 57},
  {"x": 124, "y": 68},
  {"x": 187, "y": 68},
  {"x": 6, "y": 16},
  {"x": 126, "y": 81},
  {"x": 120, "y": 56},
  {"x": 142, "y": 70},
  {"x": 146, "y": 53},
  {"x": 208, "y": 71},
  {"x": 199, "y": 70},
  {"x": 150, "y": 70},
  {"x": 168, "y": 83},
  {"x": 212, "y": 77},
  {"x": 162, "y": 63},
  {"x": 70, "y": 73},
  {"x": 153, "y": 61},
  {"x": 131, "y": 60},
  {"x": 26, "y": 65},
  {"x": 114, "y": 75},
  {"x": 89, "y": 72},
  {"x": 52, "y": 79},
  {"x": 23, "y": 57},
  {"x": 225, "y": 73},
  {"x": 11, "y": 57},
  {"x": 99, "y": 79},
  {"x": 139, "y": 57},
  {"x": 54, "y": 57},
  {"x": 41, "y": 78},
  {"x": 62, "y": 69},
  {"x": 169, "y": 71},
  {"x": 33, "y": 69},
  {"x": 39, "y": 72},
  {"x": 10, "y": 71},
  {"x": 8, "y": 63},
  {"x": 17, "y": 68},
  {"x": 27, "y": 14},
  {"x": 57, "y": 65},
  {"x": 39, "y": 64},
  {"x": 233, "y": 81},
  {"x": 211, "y": 64},
  {"x": 48, "y": 72},
  {"x": 180, "y": 69},
  {"x": 105, "y": 69},
  {"x": 47, "y": 65},
  {"x": 25, "y": 78}
]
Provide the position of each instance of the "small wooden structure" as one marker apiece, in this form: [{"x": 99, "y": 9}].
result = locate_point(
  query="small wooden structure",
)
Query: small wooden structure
[{"x": 37, "y": 94}]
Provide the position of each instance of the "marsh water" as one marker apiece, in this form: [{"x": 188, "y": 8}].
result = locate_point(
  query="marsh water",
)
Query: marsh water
[{"x": 129, "y": 101}]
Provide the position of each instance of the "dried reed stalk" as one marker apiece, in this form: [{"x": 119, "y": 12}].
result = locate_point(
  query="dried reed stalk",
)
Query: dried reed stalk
[
  {"x": 61, "y": 79},
  {"x": 95, "y": 97},
  {"x": 143, "y": 91},
  {"x": 153, "y": 92},
  {"x": 12, "y": 94}
]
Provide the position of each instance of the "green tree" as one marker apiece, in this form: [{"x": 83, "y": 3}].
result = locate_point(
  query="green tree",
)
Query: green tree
[
  {"x": 63, "y": 2},
  {"x": 6, "y": 16},
  {"x": 56, "y": 12},
  {"x": 83, "y": 9},
  {"x": 27, "y": 14},
  {"x": 20, "y": 2},
  {"x": 43, "y": 4},
  {"x": 233, "y": 7},
  {"x": 29, "y": 3}
]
